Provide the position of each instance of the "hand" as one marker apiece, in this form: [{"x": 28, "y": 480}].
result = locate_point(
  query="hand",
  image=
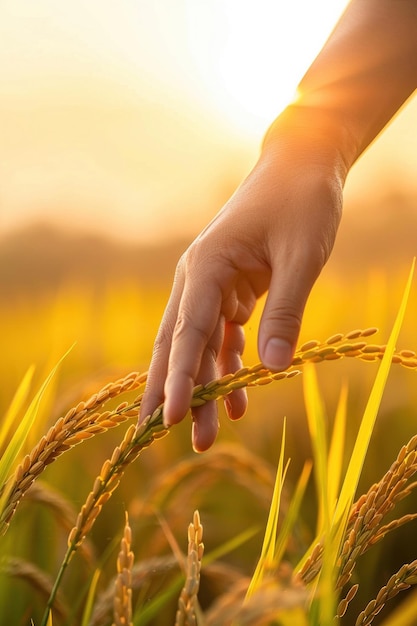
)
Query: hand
[{"x": 275, "y": 233}]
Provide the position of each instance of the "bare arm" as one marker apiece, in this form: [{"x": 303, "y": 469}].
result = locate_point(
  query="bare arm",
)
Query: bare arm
[
  {"x": 277, "y": 231},
  {"x": 367, "y": 69}
]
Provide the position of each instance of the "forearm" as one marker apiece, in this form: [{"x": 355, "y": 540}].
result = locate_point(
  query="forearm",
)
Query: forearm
[{"x": 365, "y": 72}]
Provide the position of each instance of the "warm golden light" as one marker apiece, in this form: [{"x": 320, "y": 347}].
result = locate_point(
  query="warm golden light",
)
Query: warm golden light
[
  {"x": 127, "y": 117},
  {"x": 251, "y": 56}
]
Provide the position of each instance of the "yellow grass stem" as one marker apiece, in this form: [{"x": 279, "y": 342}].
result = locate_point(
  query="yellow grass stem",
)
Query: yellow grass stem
[
  {"x": 323, "y": 608},
  {"x": 317, "y": 426},
  {"x": 337, "y": 447},
  {"x": 357, "y": 458},
  {"x": 9, "y": 457},
  {"x": 88, "y": 608},
  {"x": 16, "y": 405},
  {"x": 267, "y": 559},
  {"x": 292, "y": 514}
]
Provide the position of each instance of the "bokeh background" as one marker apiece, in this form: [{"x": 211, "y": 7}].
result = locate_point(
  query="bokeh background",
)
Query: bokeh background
[{"x": 124, "y": 128}]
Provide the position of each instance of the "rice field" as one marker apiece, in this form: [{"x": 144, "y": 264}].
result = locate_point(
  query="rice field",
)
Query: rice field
[{"x": 291, "y": 518}]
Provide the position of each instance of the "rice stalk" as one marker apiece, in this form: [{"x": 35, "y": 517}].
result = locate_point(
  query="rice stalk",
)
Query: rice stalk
[
  {"x": 142, "y": 573},
  {"x": 364, "y": 529},
  {"x": 364, "y": 526},
  {"x": 135, "y": 440},
  {"x": 400, "y": 581},
  {"x": 80, "y": 423},
  {"x": 83, "y": 421},
  {"x": 344, "y": 603},
  {"x": 324, "y": 604},
  {"x": 187, "y": 602},
  {"x": 123, "y": 589},
  {"x": 139, "y": 438},
  {"x": 219, "y": 575}
]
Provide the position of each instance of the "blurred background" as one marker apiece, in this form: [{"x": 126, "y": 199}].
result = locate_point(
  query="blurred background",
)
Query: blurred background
[{"x": 125, "y": 126}]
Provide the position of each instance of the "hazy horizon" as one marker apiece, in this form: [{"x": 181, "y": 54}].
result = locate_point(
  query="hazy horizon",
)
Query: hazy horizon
[{"x": 139, "y": 121}]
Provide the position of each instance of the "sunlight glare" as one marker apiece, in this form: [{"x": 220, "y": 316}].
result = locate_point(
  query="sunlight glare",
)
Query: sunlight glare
[{"x": 251, "y": 56}]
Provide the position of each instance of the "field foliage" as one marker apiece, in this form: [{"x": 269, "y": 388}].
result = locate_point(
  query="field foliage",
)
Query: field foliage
[{"x": 304, "y": 425}]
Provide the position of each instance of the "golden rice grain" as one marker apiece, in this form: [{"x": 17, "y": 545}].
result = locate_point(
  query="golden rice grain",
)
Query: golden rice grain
[
  {"x": 79, "y": 424},
  {"x": 343, "y": 604},
  {"x": 400, "y": 581},
  {"x": 122, "y": 602},
  {"x": 309, "y": 345},
  {"x": 334, "y": 338},
  {"x": 186, "y": 612}
]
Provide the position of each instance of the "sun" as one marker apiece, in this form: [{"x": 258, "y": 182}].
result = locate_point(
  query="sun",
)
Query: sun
[{"x": 250, "y": 56}]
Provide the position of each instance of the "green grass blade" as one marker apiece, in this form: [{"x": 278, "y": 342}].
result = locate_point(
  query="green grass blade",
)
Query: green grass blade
[
  {"x": 89, "y": 605},
  {"x": 323, "y": 608},
  {"x": 368, "y": 421},
  {"x": 266, "y": 560},
  {"x": 16, "y": 443},
  {"x": 229, "y": 546},
  {"x": 292, "y": 514},
  {"x": 337, "y": 447},
  {"x": 317, "y": 425},
  {"x": 16, "y": 405},
  {"x": 145, "y": 615}
]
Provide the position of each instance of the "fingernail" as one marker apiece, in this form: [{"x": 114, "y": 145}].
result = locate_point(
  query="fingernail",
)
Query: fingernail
[
  {"x": 277, "y": 354},
  {"x": 166, "y": 421}
]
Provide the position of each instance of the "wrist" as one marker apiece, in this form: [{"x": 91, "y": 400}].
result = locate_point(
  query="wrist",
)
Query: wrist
[{"x": 317, "y": 135}]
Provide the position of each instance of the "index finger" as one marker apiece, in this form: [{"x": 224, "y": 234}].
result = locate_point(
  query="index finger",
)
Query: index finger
[
  {"x": 154, "y": 390},
  {"x": 197, "y": 320}
]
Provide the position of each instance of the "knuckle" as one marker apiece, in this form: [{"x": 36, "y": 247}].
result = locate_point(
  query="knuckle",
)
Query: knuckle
[
  {"x": 185, "y": 324},
  {"x": 162, "y": 343},
  {"x": 286, "y": 315}
]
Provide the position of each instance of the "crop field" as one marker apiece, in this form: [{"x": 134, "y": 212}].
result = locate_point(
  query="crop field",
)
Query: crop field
[{"x": 291, "y": 517}]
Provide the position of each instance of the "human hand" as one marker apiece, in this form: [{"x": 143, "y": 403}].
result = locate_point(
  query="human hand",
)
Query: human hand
[{"x": 275, "y": 233}]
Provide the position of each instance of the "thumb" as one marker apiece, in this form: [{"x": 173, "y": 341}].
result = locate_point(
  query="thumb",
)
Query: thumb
[{"x": 281, "y": 319}]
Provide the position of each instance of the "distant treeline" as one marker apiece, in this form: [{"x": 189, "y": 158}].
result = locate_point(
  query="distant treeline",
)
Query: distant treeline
[{"x": 41, "y": 258}]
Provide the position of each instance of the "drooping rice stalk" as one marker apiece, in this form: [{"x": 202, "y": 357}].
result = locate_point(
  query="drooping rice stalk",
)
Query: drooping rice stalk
[
  {"x": 84, "y": 421},
  {"x": 187, "y": 603},
  {"x": 400, "y": 581},
  {"x": 80, "y": 423},
  {"x": 123, "y": 588}
]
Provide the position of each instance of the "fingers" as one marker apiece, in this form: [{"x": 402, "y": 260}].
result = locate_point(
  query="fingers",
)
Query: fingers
[
  {"x": 196, "y": 341},
  {"x": 222, "y": 355},
  {"x": 230, "y": 360},
  {"x": 194, "y": 345},
  {"x": 282, "y": 315},
  {"x": 154, "y": 391}
]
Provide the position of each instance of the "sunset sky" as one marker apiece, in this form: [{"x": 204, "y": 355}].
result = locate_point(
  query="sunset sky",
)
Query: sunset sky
[{"x": 138, "y": 118}]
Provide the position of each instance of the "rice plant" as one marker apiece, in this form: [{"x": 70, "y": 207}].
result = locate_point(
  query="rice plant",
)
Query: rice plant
[{"x": 295, "y": 582}]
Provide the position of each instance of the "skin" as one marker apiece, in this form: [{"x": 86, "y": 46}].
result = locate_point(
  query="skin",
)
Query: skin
[{"x": 277, "y": 231}]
